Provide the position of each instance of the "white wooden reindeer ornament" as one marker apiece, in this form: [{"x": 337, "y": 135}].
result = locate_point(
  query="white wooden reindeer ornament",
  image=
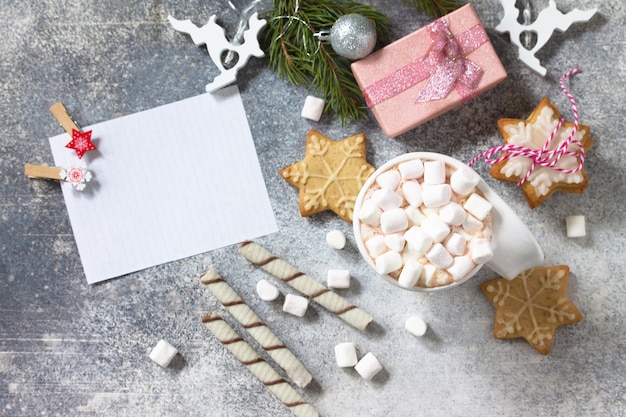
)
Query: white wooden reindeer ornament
[
  {"x": 214, "y": 37},
  {"x": 548, "y": 20}
]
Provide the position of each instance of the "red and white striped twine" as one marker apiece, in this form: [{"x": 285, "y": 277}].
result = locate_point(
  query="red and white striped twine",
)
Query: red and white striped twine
[{"x": 543, "y": 157}]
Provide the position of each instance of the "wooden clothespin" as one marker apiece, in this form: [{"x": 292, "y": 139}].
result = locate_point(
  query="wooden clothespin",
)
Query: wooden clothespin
[{"x": 77, "y": 175}]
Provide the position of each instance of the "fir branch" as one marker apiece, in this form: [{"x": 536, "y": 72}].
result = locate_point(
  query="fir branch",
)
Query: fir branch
[
  {"x": 434, "y": 8},
  {"x": 297, "y": 55}
]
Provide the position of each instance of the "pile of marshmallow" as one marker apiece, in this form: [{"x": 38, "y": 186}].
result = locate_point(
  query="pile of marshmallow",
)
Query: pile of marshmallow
[{"x": 423, "y": 223}]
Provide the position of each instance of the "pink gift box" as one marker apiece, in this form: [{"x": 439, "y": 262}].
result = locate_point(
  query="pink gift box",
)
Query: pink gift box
[{"x": 428, "y": 72}]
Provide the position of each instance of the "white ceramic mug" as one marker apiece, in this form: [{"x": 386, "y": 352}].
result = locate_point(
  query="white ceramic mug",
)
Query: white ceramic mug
[{"x": 513, "y": 245}]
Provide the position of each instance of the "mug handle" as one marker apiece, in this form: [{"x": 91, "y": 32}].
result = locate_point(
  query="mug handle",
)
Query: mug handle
[{"x": 514, "y": 247}]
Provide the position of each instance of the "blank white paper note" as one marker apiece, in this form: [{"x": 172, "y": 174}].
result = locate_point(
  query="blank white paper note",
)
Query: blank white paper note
[{"x": 169, "y": 183}]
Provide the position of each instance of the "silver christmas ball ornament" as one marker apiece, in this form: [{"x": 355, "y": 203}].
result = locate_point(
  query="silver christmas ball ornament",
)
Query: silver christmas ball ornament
[{"x": 353, "y": 36}]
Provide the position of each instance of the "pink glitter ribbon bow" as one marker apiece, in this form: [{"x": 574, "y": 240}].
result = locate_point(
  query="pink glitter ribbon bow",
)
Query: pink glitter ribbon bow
[
  {"x": 543, "y": 157},
  {"x": 450, "y": 68},
  {"x": 445, "y": 66}
]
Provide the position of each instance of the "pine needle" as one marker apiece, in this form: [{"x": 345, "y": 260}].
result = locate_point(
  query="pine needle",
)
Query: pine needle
[{"x": 434, "y": 8}]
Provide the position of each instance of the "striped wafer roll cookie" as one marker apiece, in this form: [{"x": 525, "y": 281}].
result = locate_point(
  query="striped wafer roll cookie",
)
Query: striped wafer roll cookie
[
  {"x": 261, "y": 369},
  {"x": 257, "y": 329},
  {"x": 305, "y": 284}
]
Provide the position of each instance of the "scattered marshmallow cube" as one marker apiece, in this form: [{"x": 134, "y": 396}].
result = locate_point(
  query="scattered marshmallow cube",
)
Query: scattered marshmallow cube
[
  {"x": 461, "y": 267},
  {"x": 368, "y": 366},
  {"x": 455, "y": 244},
  {"x": 418, "y": 239},
  {"x": 416, "y": 326},
  {"x": 436, "y": 195},
  {"x": 376, "y": 245},
  {"x": 411, "y": 170},
  {"x": 389, "y": 179},
  {"x": 388, "y": 262},
  {"x": 436, "y": 228},
  {"x": 370, "y": 213},
  {"x": 412, "y": 191},
  {"x": 453, "y": 214},
  {"x": 336, "y": 239},
  {"x": 464, "y": 180},
  {"x": 434, "y": 172},
  {"x": 480, "y": 250},
  {"x": 415, "y": 216},
  {"x": 163, "y": 353},
  {"x": 477, "y": 206},
  {"x": 313, "y": 108},
  {"x": 395, "y": 241},
  {"x": 295, "y": 304},
  {"x": 338, "y": 278},
  {"x": 410, "y": 274},
  {"x": 439, "y": 256},
  {"x": 266, "y": 290},
  {"x": 575, "y": 226},
  {"x": 345, "y": 354},
  {"x": 393, "y": 221},
  {"x": 386, "y": 199}
]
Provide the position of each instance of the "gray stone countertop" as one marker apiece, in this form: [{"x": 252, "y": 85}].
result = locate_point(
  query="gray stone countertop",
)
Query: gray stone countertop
[{"x": 71, "y": 349}]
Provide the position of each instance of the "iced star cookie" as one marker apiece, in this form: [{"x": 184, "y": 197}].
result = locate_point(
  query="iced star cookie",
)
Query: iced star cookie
[
  {"x": 331, "y": 174},
  {"x": 533, "y": 133},
  {"x": 532, "y": 305}
]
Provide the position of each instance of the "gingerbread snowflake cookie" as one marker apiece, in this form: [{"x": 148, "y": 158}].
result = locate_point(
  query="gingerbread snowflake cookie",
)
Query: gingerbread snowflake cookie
[
  {"x": 562, "y": 166},
  {"x": 532, "y": 305},
  {"x": 331, "y": 174}
]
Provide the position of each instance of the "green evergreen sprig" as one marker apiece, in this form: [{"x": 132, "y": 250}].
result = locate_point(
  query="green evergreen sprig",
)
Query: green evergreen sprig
[
  {"x": 434, "y": 8},
  {"x": 296, "y": 53}
]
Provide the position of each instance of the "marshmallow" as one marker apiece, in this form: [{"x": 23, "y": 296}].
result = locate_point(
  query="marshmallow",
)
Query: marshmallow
[
  {"x": 414, "y": 215},
  {"x": 477, "y": 206},
  {"x": 461, "y": 266},
  {"x": 455, "y": 244},
  {"x": 393, "y": 221},
  {"x": 266, "y": 290},
  {"x": 338, "y": 278},
  {"x": 410, "y": 274},
  {"x": 411, "y": 170},
  {"x": 163, "y": 353},
  {"x": 434, "y": 172},
  {"x": 453, "y": 214},
  {"x": 416, "y": 326},
  {"x": 428, "y": 275},
  {"x": 464, "y": 180},
  {"x": 376, "y": 245},
  {"x": 395, "y": 241},
  {"x": 436, "y": 228},
  {"x": 436, "y": 195},
  {"x": 471, "y": 224},
  {"x": 345, "y": 354},
  {"x": 439, "y": 256},
  {"x": 370, "y": 213},
  {"x": 575, "y": 226},
  {"x": 388, "y": 262},
  {"x": 429, "y": 211},
  {"x": 313, "y": 108},
  {"x": 386, "y": 199},
  {"x": 295, "y": 304},
  {"x": 389, "y": 179},
  {"x": 480, "y": 250},
  {"x": 412, "y": 193},
  {"x": 418, "y": 239},
  {"x": 368, "y": 366},
  {"x": 336, "y": 239}
]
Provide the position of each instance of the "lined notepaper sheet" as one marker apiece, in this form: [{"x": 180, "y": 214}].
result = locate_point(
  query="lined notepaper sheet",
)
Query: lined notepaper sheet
[{"x": 169, "y": 183}]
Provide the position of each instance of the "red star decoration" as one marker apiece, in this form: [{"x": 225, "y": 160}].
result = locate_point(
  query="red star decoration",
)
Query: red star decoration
[{"x": 81, "y": 142}]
